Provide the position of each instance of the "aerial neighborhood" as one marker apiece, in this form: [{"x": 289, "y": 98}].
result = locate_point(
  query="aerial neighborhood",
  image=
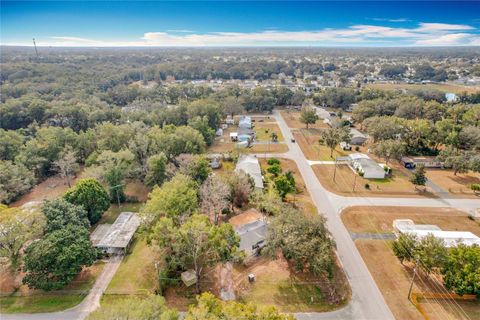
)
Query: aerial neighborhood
[{"x": 147, "y": 181}]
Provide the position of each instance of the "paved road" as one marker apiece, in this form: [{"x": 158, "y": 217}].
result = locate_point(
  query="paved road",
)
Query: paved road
[
  {"x": 89, "y": 304},
  {"x": 367, "y": 300}
]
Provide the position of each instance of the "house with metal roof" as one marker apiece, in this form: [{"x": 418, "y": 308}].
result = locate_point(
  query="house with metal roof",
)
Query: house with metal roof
[
  {"x": 356, "y": 137},
  {"x": 115, "y": 238},
  {"x": 366, "y": 166},
  {"x": 250, "y": 165}
]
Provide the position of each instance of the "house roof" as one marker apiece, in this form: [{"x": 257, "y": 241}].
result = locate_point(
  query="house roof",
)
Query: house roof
[
  {"x": 355, "y": 133},
  {"x": 118, "y": 234},
  {"x": 251, "y": 166},
  {"x": 251, "y": 233}
]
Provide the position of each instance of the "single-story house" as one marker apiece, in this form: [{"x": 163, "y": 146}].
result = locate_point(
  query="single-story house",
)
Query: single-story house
[
  {"x": 428, "y": 162},
  {"x": 219, "y": 132},
  {"x": 251, "y": 227},
  {"x": 368, "y": 167},
  {"x": 250, "y": 165},
  {"x": 115, "y": 238},
  {"x": 451, "y": 97},
  {"x": 322, "y": 113},
  {"x": 450, "y": 238},
  {"x": 229, "y": 120},
  {"x": 357, "y": 138},
  {"x": 245, "y": 122}
]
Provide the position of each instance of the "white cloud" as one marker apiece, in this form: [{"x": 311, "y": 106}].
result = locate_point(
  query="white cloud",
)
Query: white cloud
[
  {"x": 391, "y": 20},
  {"x": 424, "y": 34},
  {"x": 180, "y": 30}
]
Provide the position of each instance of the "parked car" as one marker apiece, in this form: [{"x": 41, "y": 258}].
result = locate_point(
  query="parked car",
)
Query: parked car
[
  {"x": 292, "y": 140},
  {"x": 345, "y": 146}
]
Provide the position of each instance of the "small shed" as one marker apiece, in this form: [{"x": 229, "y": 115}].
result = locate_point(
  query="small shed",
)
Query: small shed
[{"x": 189, "y": 277}]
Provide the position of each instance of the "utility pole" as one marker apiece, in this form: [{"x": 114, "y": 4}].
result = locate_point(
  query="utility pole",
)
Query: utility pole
[
  {"x": 35, "y": 45},
  {"x": 335, "y": 170},
  {"x": 354, "y": 182}
]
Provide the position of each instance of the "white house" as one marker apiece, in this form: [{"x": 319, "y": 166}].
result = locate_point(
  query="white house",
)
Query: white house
[
  {"x": 450, "y": 238},
  {"x": 368, "y": 167},
  {"x": 245, "y": 122},
  {"x": 250, "y": 165}
]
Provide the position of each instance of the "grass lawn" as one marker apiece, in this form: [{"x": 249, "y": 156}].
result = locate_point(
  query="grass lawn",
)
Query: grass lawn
[
  {"x": 26, "y": 300},
  {"x": 393, "y": 280},
  {"x": 276, "y": 283},
  {"x": 458, "y": 185},
  {"x": 137, "y": 272},
  {"x": 444, "y": 87},
  {"x": 263, "y": 130},
  {"x": 114, "y": 211},
  {"x": 39, "y": 303},
  {"x": 380, "y": 219},
  {"x": 266, "y": 148},
  {"x": 345, "y": 180}
]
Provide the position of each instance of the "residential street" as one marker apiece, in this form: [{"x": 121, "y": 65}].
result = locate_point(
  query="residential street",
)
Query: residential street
[{"x": 367, "y": 300}]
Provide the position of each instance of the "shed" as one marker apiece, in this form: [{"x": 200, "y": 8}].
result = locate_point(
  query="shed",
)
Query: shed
[
  {"x": 189, "y": 277},
  {"x": 219, "y": 132}
]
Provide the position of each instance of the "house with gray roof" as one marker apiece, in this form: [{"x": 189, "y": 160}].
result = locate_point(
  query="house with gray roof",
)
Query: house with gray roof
[{"x": 250, "y": 165}]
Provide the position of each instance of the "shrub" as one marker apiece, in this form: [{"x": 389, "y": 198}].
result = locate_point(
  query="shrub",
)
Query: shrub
[
  {"x": 357, "y": 148},
  {"x": 367, "y": 186},
  {"x": 361, "y": 173},
  {"x": 274, "y": 169},
  {"x": 273, "y": 161},
  {"x": 475, "y": 187}
]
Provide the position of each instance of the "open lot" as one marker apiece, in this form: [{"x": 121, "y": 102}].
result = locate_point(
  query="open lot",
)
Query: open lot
[
  {"x": 349, "y": 183},
  {"x": 263, "y": 130},
  {"x": 445, "y": 87},
  {"x": 292, "y": 118},
  {"x": 458, "y": 185},
  {"x": 308, "y": 142},
  {"x": 393, "y": 280},
  {"x": 25, "y": 300},
  {"x": 277, "y": 283},
  {"x": 380, "y": 219}
]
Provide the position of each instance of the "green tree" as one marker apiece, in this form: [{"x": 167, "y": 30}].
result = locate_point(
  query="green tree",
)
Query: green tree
[
  {"x": 308, "y": 115},
  {"x": 331, "y": 137},
  {"x": 17, "y": 226},
  {"x": 284, "y": 185},
  {"x": 89, "y": 194},
  {"x": 197, "y": 244},
  {"x": 156, "y": 170},
  {"x": 456, "y": 159},
  {"x": 15, "y": 180},
  {"x": 305, "y": 241},
  {"x": 141, "y": 308},
  {"x": 389, "y": 149},
  {"x": 195, "y": 166},
  {"x": 461, "y": 270},
  {"x": 431, "y": 252},
  {"x": 201, "y": 125},
  {"x": 419, "y": 177},
  {"x": 60, "y": 213},
  {"x": 10, "y": 144},
  {"x": 209, "y": 307},
  {"x": 405, "y": 246},
  {"x": 175, "y": 199},
  {"x": 53, "y": 261}
]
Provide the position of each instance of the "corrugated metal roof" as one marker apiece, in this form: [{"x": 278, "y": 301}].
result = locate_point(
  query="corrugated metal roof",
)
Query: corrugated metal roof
[{"x": 117, "y": 235}]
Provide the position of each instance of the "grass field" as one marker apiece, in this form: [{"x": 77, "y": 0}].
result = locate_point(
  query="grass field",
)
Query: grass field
[
  {"x": 308, "y": 142},
  {"x": 444, "y": 87},
  {"x": 137, "y": 272},
  {"x": 263, "y": 130},
  {"x": 380, "y": 219},
  {"x": 39, "y": 303}
]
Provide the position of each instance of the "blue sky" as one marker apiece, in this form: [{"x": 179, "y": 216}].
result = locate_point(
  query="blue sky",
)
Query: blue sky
[{"x": 235, "y": 23}]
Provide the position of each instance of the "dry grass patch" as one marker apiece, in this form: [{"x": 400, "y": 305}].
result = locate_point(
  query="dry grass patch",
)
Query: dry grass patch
[
  {"x": 380, "y": 219},
  {"x": 393, "y": 280},
  {"x": 266, "y": 148},
  {"x": 308, "y": 142},
  {"x": 292, "y": 118},
  {"x": 263, "y": 130},
  {"x": 277, "y": 283},
  {"x": 398, "y": 185},
  {"x": 458, "y": 185}
]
